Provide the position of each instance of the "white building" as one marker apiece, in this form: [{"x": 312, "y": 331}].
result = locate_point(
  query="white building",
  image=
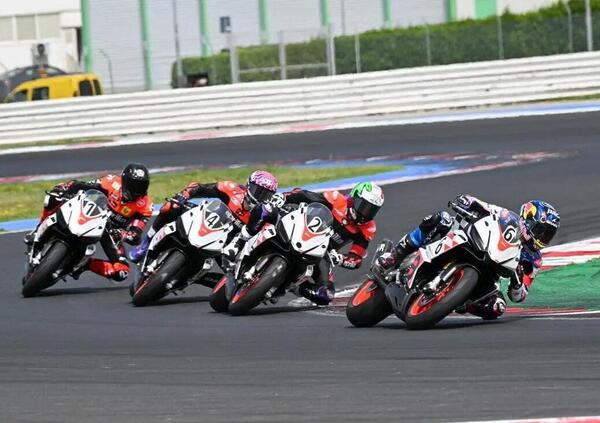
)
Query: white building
[
  {"x": 26, "y": 23},
  {"x": 116, "y": 28}
]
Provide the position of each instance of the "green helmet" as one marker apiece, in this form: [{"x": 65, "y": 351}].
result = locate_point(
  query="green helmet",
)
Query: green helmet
[{"x": 367, "y": 199}]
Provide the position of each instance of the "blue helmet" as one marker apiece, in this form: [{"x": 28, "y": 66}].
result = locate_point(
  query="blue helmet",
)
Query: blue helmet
[{"x": 539, "y": 222}]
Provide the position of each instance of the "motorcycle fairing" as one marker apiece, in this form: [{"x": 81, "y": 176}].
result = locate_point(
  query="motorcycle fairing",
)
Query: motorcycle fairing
[
  {"x": 499, "y": 234},
  {"x": 206, "y": 229},
  {"x": 306, "y": 237},
  {"x": 84, "y": 218},
  {"x": 168, "y": 229}
]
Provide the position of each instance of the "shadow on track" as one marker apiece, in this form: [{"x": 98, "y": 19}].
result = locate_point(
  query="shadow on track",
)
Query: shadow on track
[
  {"x": 443, "y": 325},
  {"x": 277, "y": 310},
  {"x": 178, "y": 300},
  {"x": 77, "y": 291}
]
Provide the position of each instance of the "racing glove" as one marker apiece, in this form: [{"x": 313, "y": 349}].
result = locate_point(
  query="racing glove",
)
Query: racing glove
[
  {"x": 517, "y": 289},
  {"x": 277, "y": 200},
  {"x": 347, "y": 261},
  {"x": 179, "y": 199},
  {"x": 131, "y": 237}
]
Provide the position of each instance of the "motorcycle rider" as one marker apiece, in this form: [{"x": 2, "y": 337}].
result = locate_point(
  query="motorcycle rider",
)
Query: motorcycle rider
[
  {"x": 353, "y": 222},
  {"x": 130, "y": 207},
  {"x": 538, "y": 222},
  {"x": 240, "y": 199}
]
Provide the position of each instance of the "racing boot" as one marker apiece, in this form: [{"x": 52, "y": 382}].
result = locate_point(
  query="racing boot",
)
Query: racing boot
[
  {"x": 138, "y": 253},
  {"x": 320, "y": 295},
  {"x": 489, "y": 309},
  {"x": 401, "y": 250}
]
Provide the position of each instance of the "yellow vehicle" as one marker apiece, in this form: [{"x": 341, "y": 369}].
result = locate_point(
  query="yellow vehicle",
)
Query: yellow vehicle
[{"x": 63, "y": 86}]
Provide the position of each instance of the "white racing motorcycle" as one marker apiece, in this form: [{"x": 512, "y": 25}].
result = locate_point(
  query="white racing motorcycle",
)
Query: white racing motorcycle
[
  {"x": 183, "y": 251},
  {"x": 65, "y": 240},
  {"x": 279, "y": 258},
  {"x": 461, "y": 268}
]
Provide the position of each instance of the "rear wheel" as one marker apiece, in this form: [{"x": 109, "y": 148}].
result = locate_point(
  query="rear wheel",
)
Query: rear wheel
[
  {"x": 428, "y": 309},
  {"x": 42, "y": 276},
  {"x": 154, "y": 287},
  {"x": 368, "y": 306},
  {"x": 253, "y": 292},
  {"x": 218, "y": 298}
]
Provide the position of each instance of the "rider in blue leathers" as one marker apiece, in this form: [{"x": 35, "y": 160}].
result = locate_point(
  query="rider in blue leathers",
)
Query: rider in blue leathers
[{"x": 538, "y": 222}]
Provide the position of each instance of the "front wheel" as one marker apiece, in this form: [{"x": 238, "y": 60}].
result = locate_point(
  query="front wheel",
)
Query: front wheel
[
  {"x": 253, "y": 292},
  {"x": 154, "y": 287},
  {"x": 218, "y": 297},
  {"x": 43, "y": 276},
  {"x": 368, "y": 306},
  {"x": 427, "y": 309}
]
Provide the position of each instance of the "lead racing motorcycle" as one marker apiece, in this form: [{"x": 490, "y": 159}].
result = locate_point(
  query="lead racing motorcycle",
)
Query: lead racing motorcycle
[
  {"x": 461, "y": 268},
  {"x": 183, "y": 251},
  {"x": 281, "y": 257},
  {"x": 65, "y": 240}
]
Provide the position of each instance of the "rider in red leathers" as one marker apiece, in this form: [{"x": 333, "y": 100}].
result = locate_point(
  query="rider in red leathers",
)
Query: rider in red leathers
[
  {"x": 353, "y": 223},
  {"x": 130, "y": 208},
  {"x": 242, "y": 200}
]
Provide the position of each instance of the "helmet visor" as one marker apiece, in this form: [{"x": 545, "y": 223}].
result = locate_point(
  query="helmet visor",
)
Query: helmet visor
[
  {"x": 259, "y": 194},
  {"x": 135, "y": 188},
  {"x": 366, "y": 211},
  {"x": 542, "y": 232}
]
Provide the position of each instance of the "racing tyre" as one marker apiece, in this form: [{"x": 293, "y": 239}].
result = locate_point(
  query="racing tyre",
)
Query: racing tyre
[
  {"x": 253, "y": 292},
  {"x": 426, "y": 310},
  {"x": 154, "y": 287},
  {"x": 42, "y": 276},
  {"x": 218, "y": 298},
  {"x": 368, "y": 306}
]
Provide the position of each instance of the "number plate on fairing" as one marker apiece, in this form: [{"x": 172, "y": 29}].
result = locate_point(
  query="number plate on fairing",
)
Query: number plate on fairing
[{"x": 447, "y": 243}]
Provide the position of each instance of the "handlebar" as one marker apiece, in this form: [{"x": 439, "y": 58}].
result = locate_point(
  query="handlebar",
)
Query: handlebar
[
  {"x": 186, "y": 204},
  {"x": 462, "y": 211}
]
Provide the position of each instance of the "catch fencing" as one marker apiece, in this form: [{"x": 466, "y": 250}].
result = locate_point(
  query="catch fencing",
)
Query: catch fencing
[{"x": 276, "y": 102}]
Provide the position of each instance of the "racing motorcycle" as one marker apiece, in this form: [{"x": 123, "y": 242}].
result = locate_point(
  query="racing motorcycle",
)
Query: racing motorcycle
[
  {"x": 461, "y": 268},
  {"x": 183, "y": 251},
  {"x": 65, "y": 240},
  {"x": 282, "y": 256}
]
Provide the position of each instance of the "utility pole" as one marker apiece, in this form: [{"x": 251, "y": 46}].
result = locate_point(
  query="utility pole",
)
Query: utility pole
[
  {"x": 146, "y": 43},
  {"x": 387, "y": 13},
  {"x": 203, "y": 16},
  {"x": 588, "y": 25},
  {"x": 86, "y": 36},
  {"x": 325, "y": 15},
  {"x": 263, "y": 14},
  {"x": 178, "y": 66}
]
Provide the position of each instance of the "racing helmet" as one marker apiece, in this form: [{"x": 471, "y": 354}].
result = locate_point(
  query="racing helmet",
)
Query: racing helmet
[
  {"x": 260, "y": 188},
  {"x": 539, "y": 222},
  {"x": 366, "y": 200},
  {"x": 135, "y": 180}
]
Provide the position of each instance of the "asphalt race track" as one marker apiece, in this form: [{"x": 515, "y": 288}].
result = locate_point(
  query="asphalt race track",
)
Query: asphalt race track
[{"x": 81, "y": 352}]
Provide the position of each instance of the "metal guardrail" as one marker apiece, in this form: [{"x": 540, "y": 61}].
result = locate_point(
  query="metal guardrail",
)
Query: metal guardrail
[{"x": 273, "y": 102}]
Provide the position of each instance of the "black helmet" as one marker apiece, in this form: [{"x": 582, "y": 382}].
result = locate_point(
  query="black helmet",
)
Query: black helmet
[{"x": 134, "y": 180}]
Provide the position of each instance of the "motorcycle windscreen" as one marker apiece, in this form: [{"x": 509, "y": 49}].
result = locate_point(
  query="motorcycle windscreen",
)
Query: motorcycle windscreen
[
  {"x": 318, "y": 218},
  {"x": 309, "y": 229},
  {"x": 86, "y": 214},
  {"x": 98, "y": 199},
  {"x": 208, "y": 225}
]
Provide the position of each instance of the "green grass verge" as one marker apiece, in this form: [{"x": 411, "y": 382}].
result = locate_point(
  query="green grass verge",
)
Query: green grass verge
[
  {"x": 576, "y": 285},
  {"x": 23, "y": 200}
]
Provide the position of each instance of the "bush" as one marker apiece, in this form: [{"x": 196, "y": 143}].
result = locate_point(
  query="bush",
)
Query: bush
[{"x": 544, "y": 32}]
